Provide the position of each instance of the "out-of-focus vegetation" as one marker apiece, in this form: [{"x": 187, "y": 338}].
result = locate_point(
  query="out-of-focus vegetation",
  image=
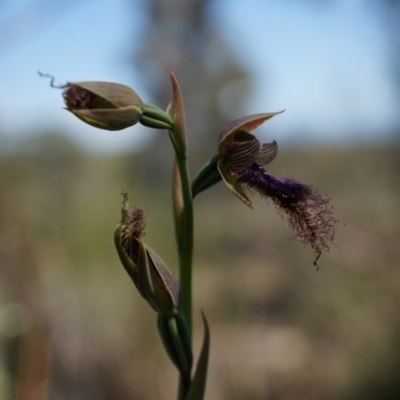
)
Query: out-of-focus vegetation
[{"x": 73, "y": 326}]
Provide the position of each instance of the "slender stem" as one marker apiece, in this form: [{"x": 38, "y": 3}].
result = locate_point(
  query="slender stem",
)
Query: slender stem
[
  {"x": 185, "y": 239},
  {"x": 184, "y": 234},
  {"x": 183, "y": 210}
]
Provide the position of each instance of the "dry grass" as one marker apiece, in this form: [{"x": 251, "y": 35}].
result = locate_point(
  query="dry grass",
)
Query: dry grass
[{"x": 279, "y": 329}]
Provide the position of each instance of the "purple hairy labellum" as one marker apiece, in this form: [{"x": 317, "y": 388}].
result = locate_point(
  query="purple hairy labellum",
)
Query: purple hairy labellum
[{"x": 306, "y": 211}]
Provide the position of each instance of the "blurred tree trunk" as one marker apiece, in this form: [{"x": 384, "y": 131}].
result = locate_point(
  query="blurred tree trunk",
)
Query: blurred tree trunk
[
  {"x": 389, "y": 11},
  {"x": 183, "y": 35}
]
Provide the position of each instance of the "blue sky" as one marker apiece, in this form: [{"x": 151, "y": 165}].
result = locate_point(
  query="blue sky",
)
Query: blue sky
[{"x": 327, "y": 66}]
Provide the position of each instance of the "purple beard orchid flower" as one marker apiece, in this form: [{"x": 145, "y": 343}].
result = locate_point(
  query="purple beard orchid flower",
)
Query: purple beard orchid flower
[{"x": 240, "y": 164}]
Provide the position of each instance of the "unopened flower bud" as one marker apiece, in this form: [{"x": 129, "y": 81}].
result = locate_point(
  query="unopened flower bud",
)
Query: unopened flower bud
[
  {"x": 104, "y": 105},
  {"x": 110, "y": 106},
  {"x": 149, "y": 273}
]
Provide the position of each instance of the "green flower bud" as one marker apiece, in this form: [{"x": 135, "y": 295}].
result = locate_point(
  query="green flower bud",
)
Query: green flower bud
[
  {"x": 104, "y": 105},
  {"x": 148, "y": 271}
]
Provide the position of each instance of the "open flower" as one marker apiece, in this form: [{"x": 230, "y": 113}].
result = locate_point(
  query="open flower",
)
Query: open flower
[{"x": 240, "y": 163}]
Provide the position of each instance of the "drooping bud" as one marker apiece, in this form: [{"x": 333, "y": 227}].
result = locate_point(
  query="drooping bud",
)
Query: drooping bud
[
  {"x": 149, "y": 273},
  {"x": 104, "y": 105},
  {"x": 110, "y": 106}
]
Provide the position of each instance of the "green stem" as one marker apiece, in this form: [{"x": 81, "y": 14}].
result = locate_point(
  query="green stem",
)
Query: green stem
[
  {"x": 185, "y": 239},
  {"x": 184, "y": 236},
  {"x": 183, "y": 210}
]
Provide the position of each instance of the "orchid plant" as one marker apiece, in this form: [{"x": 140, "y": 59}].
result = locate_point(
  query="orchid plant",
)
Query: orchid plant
[{"x": 240, "y": 164}]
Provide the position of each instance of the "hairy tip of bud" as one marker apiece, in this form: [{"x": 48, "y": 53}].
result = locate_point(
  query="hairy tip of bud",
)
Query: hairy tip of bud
[
  {"x": 133, "y": 227},
  {"x": 130, "y": 230}
]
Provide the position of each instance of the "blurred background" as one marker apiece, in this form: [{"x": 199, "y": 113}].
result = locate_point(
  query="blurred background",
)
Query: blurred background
[{"x": 72, "y": 325}]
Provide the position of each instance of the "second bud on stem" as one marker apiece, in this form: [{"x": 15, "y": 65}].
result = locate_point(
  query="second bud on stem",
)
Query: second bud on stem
[{"x": 149, "y": 273}]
